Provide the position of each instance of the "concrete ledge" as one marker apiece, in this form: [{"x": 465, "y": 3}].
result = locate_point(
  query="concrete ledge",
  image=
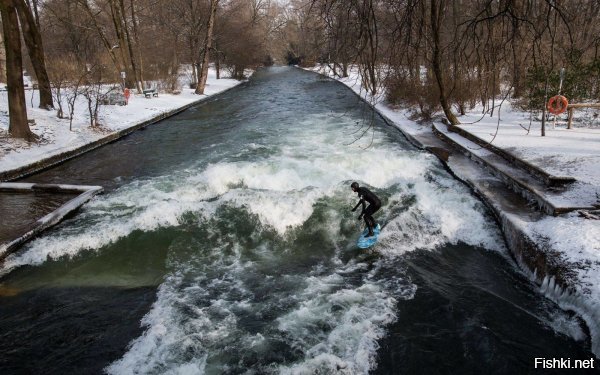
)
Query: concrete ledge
[
  {"x": 525, "y": 186},
  {"x": 85, "y": 194},
  {"x": 555, "y": 280},
  {"x": 519, "y": 186},
  {"x": 542, "y": 175},
  {"x": 53, "y": 160},
  {"x": 50, "y": 188}
]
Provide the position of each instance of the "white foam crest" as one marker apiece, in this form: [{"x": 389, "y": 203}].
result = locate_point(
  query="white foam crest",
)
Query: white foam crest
[
  {"x": 189, "y": 368},
  {"x": 323, "y": 363},
  {"x": 112, "y": 217},
  {"x": 270, "y": 175},
  {"x": 280, "y": 210},
  {"x": 281, "y": 190},
  {"x": 154, "y": 351},
  {"x": 561, "y": 322},
  {"x": 288, "y": 174},
  {"x": 337, "y": 327},
  {"x": 181, "y": 333},
  {"x": 439, "y": 215},
  {"x": 459, "y": 215}
]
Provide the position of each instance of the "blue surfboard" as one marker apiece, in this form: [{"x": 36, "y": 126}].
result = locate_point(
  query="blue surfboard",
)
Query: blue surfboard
[{"x": 364, "y": 241}]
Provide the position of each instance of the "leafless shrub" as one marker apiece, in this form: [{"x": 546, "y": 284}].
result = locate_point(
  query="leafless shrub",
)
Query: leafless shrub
[{"x": 62, "y": 73}]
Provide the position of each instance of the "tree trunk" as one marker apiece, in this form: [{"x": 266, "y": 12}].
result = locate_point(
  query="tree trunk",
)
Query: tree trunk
[
  {"x": 132, "y": 57},
  {"x": 218, "y": 66},
  {"x": 217, "y": 61},
  {"x": 34, "y": 6},
  {"x": 516, "y": 54},
  {"x": 436, "y": 61},
  {"x": 18, "y": 126},
  {"x": 107, "y": 44},
  {"x": 373, "y": 44},
  {"x": 543, "y": 127},
  {"x": 138, "y": 47},
  {"x": 207, "y": 44},
  {"x": 117, "y": 19},
  {"x": 33, "y": 40},
  {"x": 175, "y": 60},
  {"x": 194, "y": 82}
]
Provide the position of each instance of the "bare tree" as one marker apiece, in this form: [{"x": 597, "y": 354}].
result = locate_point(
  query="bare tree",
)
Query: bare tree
[
  {"x": 94, "y": 91},
  {"x": 59, "y": 77},
  {"x": 128, "y": 56},
  {"x": 33, "y": 41},
  {"x": 203, "y": 73},
  {"x": 72, "y": 92},
  {"x": 436, "y": 56},
  {"x": 18, "y": 126}
]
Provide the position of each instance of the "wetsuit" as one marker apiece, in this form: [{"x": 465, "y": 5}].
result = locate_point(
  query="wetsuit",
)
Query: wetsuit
[{"x": 367, "y": 213}]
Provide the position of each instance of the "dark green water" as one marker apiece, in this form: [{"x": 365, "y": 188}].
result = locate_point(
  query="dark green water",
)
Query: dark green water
[{"x": 225, "y": 244}]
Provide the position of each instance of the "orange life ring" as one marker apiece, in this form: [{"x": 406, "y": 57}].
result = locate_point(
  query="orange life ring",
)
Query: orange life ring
[{"x": 557, "y": 104}]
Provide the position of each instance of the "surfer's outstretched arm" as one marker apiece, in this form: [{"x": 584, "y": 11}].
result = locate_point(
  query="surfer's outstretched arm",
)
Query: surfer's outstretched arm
[
  {"x": 362, "y": 201},
  {"x": 358, "y": 204}
]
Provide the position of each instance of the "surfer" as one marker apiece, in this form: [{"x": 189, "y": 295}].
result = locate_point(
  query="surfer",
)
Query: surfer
[{"x": 374, "y": 204}]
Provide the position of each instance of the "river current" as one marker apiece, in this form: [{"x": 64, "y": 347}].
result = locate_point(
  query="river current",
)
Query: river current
[{"x": 224, "y": 243}]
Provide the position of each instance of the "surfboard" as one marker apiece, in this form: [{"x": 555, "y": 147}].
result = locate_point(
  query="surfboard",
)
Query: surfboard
[{"x": 364, "y": 241}]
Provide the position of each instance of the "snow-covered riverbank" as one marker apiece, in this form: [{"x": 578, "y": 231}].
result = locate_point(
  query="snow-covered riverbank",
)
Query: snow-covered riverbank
[{"x": 56, "y": 138}]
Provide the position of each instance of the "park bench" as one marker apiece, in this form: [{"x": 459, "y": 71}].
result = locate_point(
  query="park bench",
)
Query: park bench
[{"x": 149, "y": 93}]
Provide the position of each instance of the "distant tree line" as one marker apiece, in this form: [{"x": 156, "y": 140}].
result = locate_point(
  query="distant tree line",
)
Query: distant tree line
[
  {"x": 432, "y": 55},
  {"x": 449, "y": 55},
  {"x": 75, "y": 46}
]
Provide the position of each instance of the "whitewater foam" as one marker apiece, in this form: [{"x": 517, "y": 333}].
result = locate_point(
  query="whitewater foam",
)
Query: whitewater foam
[
  {"x": 215, "y": 285},
  {"x": 281, "y": 191}
]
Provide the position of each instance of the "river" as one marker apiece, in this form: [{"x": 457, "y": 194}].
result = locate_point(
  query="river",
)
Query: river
[{"x": 224, "y": 243}]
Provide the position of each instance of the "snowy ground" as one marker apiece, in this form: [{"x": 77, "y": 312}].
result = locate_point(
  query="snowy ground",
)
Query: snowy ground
[
  {"x": 54, "y": 133},
  {"x": 562, "y": 152}
]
